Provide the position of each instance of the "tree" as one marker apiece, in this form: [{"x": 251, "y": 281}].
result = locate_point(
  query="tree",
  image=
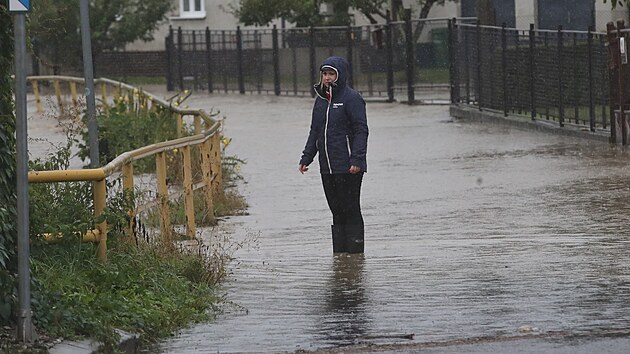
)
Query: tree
[
  {"x": 55, "y": 26},
  {"x": 614, "y": 3},
  {"x": 304, "y": 13},
  {"x": 8, "y": 198}
]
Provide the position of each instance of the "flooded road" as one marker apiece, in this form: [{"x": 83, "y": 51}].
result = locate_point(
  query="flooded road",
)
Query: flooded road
[{"x": 472, "y": 230}]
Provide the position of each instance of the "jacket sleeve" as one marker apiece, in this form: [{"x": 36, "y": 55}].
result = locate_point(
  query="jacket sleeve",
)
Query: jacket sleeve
[
  {"x": 311, "y": 143},
  {"x": 359, "y": 127}
]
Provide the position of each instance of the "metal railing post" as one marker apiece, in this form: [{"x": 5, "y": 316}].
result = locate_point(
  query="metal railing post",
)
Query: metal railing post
[
  {"x": 560, "y": 78},
  {"x": 100, "y": 195},
  {"x": 576, "y": 87},
  {"x": 390, "y": 58},
  {"x": 104, "y": 103},
  {"x": 591, "y": 105},
  {"x": 206, "y": 168},
  {"x": 479, "y": 58},
  {"x": 532, "y": 70},
  {"x": 276, "y": 61},
  {"x": 168, "y": 45},
  {"x": 215, "y": 158},
  {"x": 504, "y": 68},
  {"x": 189, "y": 201},
  {"x": 38, "y": 99},
  {"x": 58, "y": 94},
  {"x": 452, "y": 61},
  {"x": 180, "y": 58},
  {"x": 128, "y": 188},
  {"x": 162, "y": 196},
  {"x": 410, "y": 58},
  {"x": 622, "y": 86},
  {"x": 193, "y": 56},
  {"x": 239, "y": 60},
  {"x": 209, "y": 67}
]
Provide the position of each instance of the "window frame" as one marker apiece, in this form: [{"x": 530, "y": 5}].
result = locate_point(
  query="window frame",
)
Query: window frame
[{"x": 191, "y": 13}]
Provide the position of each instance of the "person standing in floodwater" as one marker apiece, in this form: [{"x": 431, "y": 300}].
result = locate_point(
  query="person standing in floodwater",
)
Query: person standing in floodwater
[{"x": 339, "y": 133}]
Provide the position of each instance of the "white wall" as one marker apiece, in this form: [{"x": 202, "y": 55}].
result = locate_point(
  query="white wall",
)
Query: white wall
[
  {"x": 603, "y": 15},
  {"x": 526, "y": 11},
  {"x": 218, "y": 17}
]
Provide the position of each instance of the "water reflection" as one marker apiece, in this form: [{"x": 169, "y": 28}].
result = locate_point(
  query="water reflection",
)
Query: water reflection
[{"x": 343, "y": 319}]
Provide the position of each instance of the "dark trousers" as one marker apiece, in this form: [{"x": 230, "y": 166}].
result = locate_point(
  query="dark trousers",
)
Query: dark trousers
[{"x": 343, "y": 193}]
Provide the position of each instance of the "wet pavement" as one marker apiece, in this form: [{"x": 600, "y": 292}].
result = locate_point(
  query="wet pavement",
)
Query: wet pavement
[
  {"x": 472, "y": 231},
  {"x": 479, "y": 238}
]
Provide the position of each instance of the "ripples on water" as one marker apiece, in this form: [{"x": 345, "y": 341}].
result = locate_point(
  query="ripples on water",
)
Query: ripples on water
[{"x": 472, "y": 230}]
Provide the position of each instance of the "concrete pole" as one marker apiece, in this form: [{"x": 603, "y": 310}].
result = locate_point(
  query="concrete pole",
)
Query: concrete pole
[
  {"x": 25, "y": 323},
  {"x": 88, "y": 73}
]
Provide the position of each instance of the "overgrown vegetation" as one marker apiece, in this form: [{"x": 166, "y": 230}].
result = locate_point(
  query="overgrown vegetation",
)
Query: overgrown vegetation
[
  {"x": 150, "y": 288},
  {"x": 128, "y": 124},
  {"x": 8, "y": 201},
  {"x": 147, "y": 288}
]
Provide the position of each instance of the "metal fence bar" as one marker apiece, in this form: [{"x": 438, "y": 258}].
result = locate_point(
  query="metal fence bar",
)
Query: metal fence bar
[
  {"x": 410, "y": 60},
  {"x": 532, "y": 71},
  {"x": 504, "y": 68},
  {"x": 560, "y": 69},
  {"x": 180, "y": 55},
  {"x": 276, "y": 62},
  {"x": 479, "y": 57},
  {"x": 209, "y": 61},
  {"x": 591, "y": 106},
  {"x": 239, "y": 60},
  {"x": 390, "y": 58}
]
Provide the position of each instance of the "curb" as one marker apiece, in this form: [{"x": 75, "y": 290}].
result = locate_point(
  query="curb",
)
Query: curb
[
  {"x": 474, "y": 114},
  {"x": 128, "y": 344}
]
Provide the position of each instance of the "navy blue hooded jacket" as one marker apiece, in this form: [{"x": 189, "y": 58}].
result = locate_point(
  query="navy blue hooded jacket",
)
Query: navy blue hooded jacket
[{"x": 339, "y": 129}]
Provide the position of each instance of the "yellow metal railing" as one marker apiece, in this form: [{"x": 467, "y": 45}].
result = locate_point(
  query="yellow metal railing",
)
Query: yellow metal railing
[{"x": 208, "y": 140}]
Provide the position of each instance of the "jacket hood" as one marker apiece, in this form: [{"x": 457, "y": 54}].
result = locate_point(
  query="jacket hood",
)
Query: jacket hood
[{"x": 340, "y": 65}]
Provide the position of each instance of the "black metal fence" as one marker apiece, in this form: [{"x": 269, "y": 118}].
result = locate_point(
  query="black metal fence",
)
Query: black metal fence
[
  {"x": 560, "y": 76},
  {"x": 406, "y": 61}
]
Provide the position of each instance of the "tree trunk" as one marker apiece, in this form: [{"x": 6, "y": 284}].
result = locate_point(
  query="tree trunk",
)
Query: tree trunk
[{"x": 486, "y": 13}]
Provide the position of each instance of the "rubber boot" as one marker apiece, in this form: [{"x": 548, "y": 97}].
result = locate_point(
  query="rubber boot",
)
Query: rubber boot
[
  {"x": 338, "y": 238},
  {"x": 354, "y": 238}
]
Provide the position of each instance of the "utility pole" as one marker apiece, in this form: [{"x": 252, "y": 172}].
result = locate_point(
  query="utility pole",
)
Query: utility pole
[{"x": 88, "y": 73}]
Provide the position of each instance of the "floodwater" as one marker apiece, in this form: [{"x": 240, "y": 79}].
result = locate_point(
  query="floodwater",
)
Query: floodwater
[{"x": 472, "y": 231}]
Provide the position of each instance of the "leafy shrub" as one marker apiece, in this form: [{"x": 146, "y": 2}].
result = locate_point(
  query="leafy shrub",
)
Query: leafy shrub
[
  {"x": 8, "y": 199},
  {"x": 128, "y": 126}
]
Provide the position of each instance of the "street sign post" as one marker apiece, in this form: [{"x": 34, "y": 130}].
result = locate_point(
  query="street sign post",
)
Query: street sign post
[
  {"x": 19, "y": 6},
  {"x": 25, "y": 318}
]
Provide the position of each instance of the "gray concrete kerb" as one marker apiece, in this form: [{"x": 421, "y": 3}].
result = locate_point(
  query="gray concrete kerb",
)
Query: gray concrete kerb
[
  {"x": 474, "y": 114},
  {"x": 129, "y": 344}
]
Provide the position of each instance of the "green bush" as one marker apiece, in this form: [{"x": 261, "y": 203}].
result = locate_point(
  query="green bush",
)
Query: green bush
[
  {"x": 8, "y": 199},
  {"x": 144, "y": 290},
  {"x": 129, "y": 126}
]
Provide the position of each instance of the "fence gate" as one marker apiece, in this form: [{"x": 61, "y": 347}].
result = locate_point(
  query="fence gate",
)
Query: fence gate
[{"x": 617, "y": 37}]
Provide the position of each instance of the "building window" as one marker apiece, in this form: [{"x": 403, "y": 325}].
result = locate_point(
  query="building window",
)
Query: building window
[
  {"x": 192, "y": 8},
  {"x": 570, "y": 14}
]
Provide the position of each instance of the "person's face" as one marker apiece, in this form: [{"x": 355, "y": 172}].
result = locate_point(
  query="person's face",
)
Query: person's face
[{"x": 328, "y": 77}]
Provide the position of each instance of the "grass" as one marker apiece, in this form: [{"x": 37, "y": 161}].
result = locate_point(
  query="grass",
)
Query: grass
[{"x": 152, "y": 289}]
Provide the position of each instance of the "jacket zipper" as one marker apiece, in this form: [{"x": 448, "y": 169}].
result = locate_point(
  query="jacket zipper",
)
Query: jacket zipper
[
  {"x": 326, "y": 131},
  {"x": 348, "y": 145}
]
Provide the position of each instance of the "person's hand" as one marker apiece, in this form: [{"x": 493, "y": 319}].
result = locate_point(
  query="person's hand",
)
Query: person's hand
[
  {"x": 302, "y": 168},
  {"x": 354, "y": 169}
]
